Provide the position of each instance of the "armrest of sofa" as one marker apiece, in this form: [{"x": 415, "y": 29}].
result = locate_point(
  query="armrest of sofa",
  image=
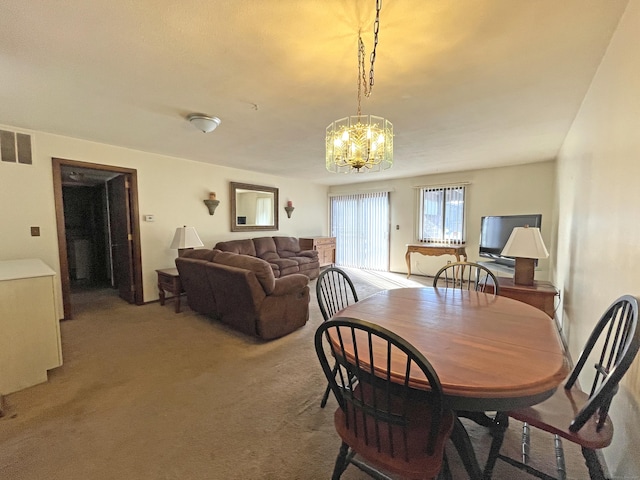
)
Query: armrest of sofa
[
  {"x": 289, "y": 284},
  {"x": 308, "y": 253}
]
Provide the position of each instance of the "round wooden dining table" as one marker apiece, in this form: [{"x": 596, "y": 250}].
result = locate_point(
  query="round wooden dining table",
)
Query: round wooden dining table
[{"x": 491, "y": 353}]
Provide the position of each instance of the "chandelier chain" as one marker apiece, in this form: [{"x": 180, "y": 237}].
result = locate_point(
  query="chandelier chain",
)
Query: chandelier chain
[
  {"x": 376, "y": 29},
  {"x": 362, "y": 79}
]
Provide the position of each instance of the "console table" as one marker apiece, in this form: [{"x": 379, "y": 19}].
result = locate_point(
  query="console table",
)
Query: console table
[
  {"x": 433, "y": 249},
  {"x": 541, "y": 294}
]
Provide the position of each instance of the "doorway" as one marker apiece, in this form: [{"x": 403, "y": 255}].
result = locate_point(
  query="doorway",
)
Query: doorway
[{"x": 98, "y": 229}]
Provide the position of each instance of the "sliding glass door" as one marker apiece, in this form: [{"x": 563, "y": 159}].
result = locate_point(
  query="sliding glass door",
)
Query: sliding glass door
[{"x": 360, "y": 223}]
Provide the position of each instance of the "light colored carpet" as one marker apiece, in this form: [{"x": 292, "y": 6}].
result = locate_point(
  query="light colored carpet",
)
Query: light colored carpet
[{"x": 145, "y": 393}]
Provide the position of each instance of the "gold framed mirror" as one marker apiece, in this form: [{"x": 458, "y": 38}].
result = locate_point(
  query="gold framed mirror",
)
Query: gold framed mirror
[{"x": 253, "y": 207}]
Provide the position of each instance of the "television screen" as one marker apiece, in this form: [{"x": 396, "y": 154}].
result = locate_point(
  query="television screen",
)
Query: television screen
[{"x": 495, "y": 231}]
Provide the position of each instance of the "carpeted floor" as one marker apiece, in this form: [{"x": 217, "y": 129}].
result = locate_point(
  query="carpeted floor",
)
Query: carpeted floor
[{"x": 145, "y": 393}]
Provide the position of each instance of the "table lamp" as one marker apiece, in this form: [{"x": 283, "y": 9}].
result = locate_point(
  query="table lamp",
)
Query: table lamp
[
  {"x": 525, "y": 245},
  {"x": 185, "y": 238}
]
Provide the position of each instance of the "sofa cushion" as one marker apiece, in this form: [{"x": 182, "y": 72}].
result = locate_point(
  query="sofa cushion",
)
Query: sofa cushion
[
  {"x": 287, "y": 246},
  {"x": 243, "y": 247},
  {"x": 286, "y": 266},
  {"x": 266, "y": 248},
  {"x": 200, "y": 254},
  {"x": 303, "y": 260},
  {"x": 261, "y": 268},
  {"x": 276, "y": 269}
]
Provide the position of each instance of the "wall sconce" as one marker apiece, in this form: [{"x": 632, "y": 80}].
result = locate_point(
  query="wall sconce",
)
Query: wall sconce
[
  {"x": 289, "y": 208},
  {"x": 526, "y": 246},
  {"x": 212, "y": 203}
]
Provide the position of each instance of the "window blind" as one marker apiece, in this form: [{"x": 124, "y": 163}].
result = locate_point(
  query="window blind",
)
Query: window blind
[
  {"x": 442, "y": 214},
  {"x": 360, "y": 223}
]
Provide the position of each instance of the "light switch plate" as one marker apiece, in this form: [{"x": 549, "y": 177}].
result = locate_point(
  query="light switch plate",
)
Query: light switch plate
[{"x": 149, "y": 218}]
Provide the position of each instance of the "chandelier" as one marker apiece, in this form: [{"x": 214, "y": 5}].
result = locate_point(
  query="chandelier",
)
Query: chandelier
[{"x": 361, "y": 143}]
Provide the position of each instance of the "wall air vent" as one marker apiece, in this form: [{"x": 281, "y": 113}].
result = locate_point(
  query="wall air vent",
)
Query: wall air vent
[{"x": 15, "y": 147}]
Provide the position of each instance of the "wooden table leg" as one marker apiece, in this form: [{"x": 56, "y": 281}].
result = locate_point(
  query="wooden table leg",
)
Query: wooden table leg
[
  {"x": 161, "y": 295},
  {"x": 407, "y": 258},
  {"x": 177, "y": 300}
]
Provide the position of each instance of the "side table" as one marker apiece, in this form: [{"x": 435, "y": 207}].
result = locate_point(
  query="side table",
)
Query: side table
[
  {"x": 541, "y": 294},
  {"x": 169, "y": 281}
]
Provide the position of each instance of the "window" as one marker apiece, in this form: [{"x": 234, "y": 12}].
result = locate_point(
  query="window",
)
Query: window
[
  {"x": 360, "y": 223},
  {"x": 441, "y": 211},
  {"x": 264, "y": 210}
]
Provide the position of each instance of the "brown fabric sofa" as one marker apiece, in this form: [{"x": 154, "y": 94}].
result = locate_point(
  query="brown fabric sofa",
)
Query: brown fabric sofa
[
  {"x": 283, "y": 254},
  {"x": 243, "y": 292}
]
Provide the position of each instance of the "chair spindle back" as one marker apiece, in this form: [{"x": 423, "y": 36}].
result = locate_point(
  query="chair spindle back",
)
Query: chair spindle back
[{"x": 335, "y": 291}]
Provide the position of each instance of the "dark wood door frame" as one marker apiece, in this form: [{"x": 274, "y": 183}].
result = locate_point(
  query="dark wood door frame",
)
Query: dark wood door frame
[{"x": 132, "y": 175}]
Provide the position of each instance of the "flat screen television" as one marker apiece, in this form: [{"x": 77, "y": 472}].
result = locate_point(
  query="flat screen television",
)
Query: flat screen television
[{"x": 495, "y": 231}]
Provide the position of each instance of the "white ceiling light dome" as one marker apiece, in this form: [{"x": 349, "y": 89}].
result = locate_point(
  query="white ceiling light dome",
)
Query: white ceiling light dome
[{"x": 204, "y": 123}]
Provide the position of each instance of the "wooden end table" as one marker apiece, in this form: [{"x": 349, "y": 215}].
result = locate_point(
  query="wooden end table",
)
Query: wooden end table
[
  {"x": 541, "y": 294},
  {"x": 169, "y": 281}
]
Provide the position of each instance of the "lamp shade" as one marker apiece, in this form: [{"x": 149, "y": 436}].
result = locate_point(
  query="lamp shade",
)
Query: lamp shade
[
  {"x": 525, "y": 242},
  {"x": 186, "y": 237}
]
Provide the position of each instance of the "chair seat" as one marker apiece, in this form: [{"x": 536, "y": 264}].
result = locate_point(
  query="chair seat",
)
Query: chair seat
[
  {"x": 555, "y": 414},
  {"x": 392, "y": 457}
]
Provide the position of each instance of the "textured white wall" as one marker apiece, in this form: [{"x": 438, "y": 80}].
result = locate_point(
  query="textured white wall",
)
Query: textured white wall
[
  {"x": 496, "y": 191},
  {"x": 598, "y": 257},
  {"x": 172, "y": 189}
]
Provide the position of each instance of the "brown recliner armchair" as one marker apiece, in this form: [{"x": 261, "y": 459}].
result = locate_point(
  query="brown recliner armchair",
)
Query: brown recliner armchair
[{"x": 241, "y": 291}]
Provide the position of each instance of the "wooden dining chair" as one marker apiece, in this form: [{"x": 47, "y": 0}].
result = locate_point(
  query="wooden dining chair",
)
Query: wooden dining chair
[
  {"x": 384, "y": 424},
  {"x": 334, "y": 291},
  {"x": 467, "y": 275},
  {"x": 573, "y": 414}
]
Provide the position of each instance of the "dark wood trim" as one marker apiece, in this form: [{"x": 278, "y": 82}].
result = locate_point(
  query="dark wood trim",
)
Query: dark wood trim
[
  {"x": 62, "y": 239},
  {"x": 132, "y": 176},
  {"x": 135, "y": 232}
]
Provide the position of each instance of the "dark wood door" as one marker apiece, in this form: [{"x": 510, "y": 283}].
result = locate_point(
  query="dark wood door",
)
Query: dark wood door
[{"x": 121, "y": 237}]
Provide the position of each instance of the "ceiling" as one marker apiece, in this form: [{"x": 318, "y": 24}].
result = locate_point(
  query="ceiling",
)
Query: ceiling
[{"x": 467, "y": 83}]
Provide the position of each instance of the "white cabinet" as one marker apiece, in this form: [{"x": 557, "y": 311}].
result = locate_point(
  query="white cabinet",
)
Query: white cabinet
[{"x": 29, "y": 327}]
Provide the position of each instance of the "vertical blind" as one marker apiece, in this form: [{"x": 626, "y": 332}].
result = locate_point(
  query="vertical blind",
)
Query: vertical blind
[
  {"x": 442, "y": 214},
  {"x": 360, "y": 223}
]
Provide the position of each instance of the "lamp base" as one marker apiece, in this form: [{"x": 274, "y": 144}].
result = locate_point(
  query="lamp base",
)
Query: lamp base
[{"x": 524, "y": 271}]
